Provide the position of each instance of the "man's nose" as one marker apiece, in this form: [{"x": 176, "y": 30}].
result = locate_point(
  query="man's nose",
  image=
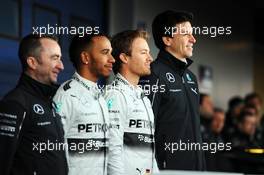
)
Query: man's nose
[
  {"x": 111, "y": 60},
  {"x": 150, "y": 58},
  {"x": 193, "y": 40},
  {"x": 60, "y": 65}
]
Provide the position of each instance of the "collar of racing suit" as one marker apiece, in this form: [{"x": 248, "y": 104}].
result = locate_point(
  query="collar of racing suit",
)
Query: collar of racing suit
[
  {"x": 136, "y": 89},
  {"x": 176, "y": 64},
  {"x": 36, "y": 88},
  {"x": 89, "y": 85}
]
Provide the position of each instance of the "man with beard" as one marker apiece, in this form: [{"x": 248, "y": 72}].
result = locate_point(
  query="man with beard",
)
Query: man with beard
[
  {"x": 82, "y": 107},
  {"x": 176, "y": 109}
]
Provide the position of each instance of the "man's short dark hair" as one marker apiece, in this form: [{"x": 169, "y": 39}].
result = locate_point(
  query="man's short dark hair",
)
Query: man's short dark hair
[
  {"x": 79, "y": 44},
  {"x": 249, "y": 107},
  {"x": 202, "y": 97},
  {"x": 122, "y": 43},
  {"x": 30, "y": 46},
  {"x": 165, "y": 20},
  {"x": 234, "y": 102},
  {"x": 219, "y": 110},
  {"x": 243, "y": 115},
  {"x": 251, "y": 96}
]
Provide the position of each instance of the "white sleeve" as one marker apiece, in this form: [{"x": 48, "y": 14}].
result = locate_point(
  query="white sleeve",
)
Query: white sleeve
[
  {"x": 155, "y": 166},
  {"x": 63, "y": 106},
  {"x": 117, "y": 107}
]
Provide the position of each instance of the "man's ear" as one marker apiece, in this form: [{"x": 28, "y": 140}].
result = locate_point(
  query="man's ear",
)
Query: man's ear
[
  {"x": 85, "y": 57},
  {"x": 32, "y": 62},
  {"x": 166, "y": 40},
  {"x": 123, "y": 57}
]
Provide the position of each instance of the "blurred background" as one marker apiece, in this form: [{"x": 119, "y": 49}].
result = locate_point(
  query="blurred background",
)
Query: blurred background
[{"x": 226, "y": 65}]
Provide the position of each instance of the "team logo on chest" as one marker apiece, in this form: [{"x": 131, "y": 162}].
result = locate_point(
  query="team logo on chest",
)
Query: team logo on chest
[
  {"x": 170, "y": 77},
  {"x": 188, "y": 77},
  {"x": 38, "y": 109},
  {"x": 110, "y": 103}
]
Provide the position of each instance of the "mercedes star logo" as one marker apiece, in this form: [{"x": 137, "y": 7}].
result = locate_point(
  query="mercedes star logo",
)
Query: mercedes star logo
[
  {"x": 38, "y": 109},
  {"x": 170, "y": 77}
]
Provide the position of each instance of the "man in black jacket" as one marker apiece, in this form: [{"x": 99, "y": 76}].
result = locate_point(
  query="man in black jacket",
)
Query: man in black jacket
[
  {"x": 174, "y": 94},
  {"x": 30, "y": 130}
]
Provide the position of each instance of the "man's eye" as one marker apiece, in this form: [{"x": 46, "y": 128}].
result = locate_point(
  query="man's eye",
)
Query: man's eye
[{"x": 105, "y": 52}]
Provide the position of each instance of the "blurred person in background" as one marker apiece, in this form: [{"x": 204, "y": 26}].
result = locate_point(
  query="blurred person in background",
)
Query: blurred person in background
[
  {"x": 216, "y": 161},
  {"x": 256, "y": 100},
  {"x": 250, "y": 108},
  {"x": 244, "y": 136},
  {"x": 217, "y": 124},
  {"x": 235, "y": 106},
  {"x": 206, "y": 111}
]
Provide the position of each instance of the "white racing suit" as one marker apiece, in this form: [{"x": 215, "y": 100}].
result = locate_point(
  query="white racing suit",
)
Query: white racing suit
[
  {"x": 85, "y": 121},
  {"x": 131, "y": 149}
]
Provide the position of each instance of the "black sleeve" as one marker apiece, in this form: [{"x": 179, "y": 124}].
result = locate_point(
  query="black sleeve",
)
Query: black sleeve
[{"x": 12, "y": 116}]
